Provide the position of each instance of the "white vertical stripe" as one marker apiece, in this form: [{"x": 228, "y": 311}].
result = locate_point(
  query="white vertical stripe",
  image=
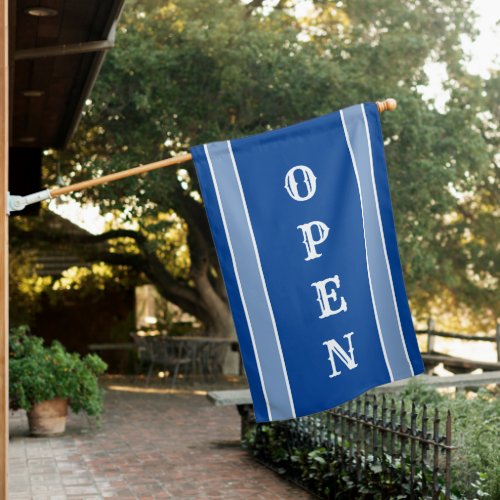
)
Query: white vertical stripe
[
  {"x": 375, "y": 193},
  {"x": 214, "y": 180},
  {"x": 346, "y": 133},
  {"x": 264, "y": 286}
]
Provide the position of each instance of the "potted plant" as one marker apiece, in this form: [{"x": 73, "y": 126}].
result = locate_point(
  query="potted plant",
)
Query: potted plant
[{"x": 45, "y": 380}]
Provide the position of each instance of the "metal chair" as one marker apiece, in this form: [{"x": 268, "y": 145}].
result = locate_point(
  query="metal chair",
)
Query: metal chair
[
  {"x": 157, "y": 351},
  {"x": 174, "y": 356}
]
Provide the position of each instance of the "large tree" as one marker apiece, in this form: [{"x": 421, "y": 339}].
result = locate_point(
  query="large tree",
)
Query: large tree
[{"x": 186, "y": 72}]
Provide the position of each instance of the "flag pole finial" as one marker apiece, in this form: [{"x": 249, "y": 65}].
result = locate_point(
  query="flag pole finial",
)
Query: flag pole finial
[{"x": 387, "y": 105}]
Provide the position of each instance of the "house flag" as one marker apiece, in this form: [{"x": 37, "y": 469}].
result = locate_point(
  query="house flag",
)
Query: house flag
[{"x": 303, "y": 226}]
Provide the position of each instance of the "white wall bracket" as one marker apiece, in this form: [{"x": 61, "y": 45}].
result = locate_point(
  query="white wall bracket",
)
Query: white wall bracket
[{"x": 16, "y": 203}]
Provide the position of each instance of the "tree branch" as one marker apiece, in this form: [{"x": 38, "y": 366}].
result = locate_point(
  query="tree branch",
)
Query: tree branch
[
  {"x": 185, "y": 297},
  {"x": 117, "y": 233},
  {"x": 65, "y": 238},
  {"x": 134, "y": 261}
]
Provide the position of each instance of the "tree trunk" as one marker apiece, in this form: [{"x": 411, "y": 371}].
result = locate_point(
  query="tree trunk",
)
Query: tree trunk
[
  {"x": 222, "y": 325},
  {"x": 221, "y": 322}
]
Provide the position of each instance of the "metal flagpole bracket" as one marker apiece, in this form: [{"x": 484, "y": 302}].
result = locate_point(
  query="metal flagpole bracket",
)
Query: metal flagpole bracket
[{"x": 16, "y": 203}]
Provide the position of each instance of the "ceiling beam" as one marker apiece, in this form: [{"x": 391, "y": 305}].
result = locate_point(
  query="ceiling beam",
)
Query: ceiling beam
[{"x": 63, "y": 50}]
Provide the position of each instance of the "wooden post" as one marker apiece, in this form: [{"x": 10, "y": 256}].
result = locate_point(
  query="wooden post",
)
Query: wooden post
[
  {"x": 431, "y": 326},
  {"x": 4, "y": 248},
  {"x": 498, "y": 340}
]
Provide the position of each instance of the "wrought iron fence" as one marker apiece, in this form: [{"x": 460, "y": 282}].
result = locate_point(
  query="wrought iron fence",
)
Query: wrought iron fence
[{"x": 369, "y": 440}]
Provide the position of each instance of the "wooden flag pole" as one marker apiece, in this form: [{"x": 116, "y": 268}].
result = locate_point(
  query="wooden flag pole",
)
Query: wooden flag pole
[
  {"x": 19, "y": 202},
  {"x": 176, "y": 160}
]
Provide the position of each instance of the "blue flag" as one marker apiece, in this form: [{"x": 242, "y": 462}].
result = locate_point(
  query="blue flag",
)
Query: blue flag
[{"x": 302, "y": 223}]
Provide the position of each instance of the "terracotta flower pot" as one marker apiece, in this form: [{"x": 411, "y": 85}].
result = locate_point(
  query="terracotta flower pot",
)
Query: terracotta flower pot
[{"x": 48, "y": 417}]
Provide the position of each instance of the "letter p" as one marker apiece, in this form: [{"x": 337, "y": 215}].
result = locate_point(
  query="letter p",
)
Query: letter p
[{"x": 310, "y": 241}]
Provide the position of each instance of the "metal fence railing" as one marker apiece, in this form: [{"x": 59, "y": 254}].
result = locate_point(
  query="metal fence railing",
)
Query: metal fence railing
[{"x": 374, "y": 436}]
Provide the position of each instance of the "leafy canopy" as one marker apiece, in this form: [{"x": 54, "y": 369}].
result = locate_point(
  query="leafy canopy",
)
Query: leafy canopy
[{"x": 186, "y": 72}]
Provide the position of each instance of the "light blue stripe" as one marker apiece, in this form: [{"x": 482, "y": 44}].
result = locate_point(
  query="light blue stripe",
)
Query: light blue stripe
[
  {"x": 251, "y": 284},
  {"x": 377, "y": 264}
]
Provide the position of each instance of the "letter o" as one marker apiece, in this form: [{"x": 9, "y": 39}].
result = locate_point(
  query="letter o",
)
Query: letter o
[{"x": 291, "y": 185}]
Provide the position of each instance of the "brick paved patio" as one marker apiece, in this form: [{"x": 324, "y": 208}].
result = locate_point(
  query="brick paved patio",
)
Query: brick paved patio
[{"x": 150, "y": 445}]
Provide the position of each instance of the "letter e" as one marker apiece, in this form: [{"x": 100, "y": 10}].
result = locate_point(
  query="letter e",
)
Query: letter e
[{"x": 324, "y": 297}]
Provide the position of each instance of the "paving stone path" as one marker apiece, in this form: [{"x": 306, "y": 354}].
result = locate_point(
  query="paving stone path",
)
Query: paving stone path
[{"x": 150, "y": 445}]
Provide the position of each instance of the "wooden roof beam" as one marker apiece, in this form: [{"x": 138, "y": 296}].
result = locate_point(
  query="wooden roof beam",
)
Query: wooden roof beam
[{"x": 64, "y": 50}]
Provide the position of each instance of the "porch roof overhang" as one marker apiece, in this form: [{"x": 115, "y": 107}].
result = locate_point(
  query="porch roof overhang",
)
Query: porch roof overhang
[{"x": 57, "y": 48}]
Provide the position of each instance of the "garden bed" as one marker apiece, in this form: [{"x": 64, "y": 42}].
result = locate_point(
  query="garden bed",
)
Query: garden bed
[{"x": 427, "y": 445}]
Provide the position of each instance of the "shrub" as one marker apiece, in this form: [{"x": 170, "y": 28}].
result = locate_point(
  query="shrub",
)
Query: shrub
[
  {"x": 475, "y": 434},
  {"x": 475, "y": 465},
  {"x": 38, "y": 373}
]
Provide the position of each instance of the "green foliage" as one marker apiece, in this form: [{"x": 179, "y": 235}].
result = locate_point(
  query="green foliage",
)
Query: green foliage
[
  {"x": 29, "y": 291},
  {"x": 332, "y": 473},
  {"x": 25, "y": 286},
  {"x": 421, "y": 394},
  {"x": 38, "y": 373},
  {"x": 475, "y": 465},
  {"x": 475, "y": 434},
  {"x": 187, "y": 72}
]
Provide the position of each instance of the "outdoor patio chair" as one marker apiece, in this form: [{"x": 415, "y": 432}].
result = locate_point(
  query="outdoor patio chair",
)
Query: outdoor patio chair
[
  {"x": 157, "y": 351},
  {"x": 213, "y": 356},
  {"x": 143, "y": 350},
  {"x": 175, "y": 356}
]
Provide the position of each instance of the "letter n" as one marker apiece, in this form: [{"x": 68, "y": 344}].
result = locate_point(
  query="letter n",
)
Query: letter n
[{"x": 334, "y": 349}]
